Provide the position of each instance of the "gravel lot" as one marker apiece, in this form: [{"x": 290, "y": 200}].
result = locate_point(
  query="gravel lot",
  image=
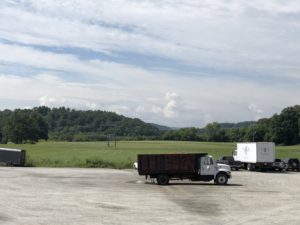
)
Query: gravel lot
[{"x": 104, "y": 196}]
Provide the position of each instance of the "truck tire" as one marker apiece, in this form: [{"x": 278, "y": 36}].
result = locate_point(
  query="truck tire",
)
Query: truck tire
[
  {"x": 250, "y": 167},
  {"x": 9, "y": 163},
  {"x": 221, "y": 179},
  {"x": 162, "y": 179}
]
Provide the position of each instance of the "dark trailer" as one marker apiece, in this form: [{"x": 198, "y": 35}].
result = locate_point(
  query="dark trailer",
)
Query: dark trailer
[{"x": 12, "y": 157}]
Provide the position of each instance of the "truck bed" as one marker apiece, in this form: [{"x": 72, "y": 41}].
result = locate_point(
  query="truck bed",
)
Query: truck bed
[{"x": 150, "y": 164}]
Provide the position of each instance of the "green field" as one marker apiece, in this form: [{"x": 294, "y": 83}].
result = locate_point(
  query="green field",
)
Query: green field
[{"x": 98, "y": 154}]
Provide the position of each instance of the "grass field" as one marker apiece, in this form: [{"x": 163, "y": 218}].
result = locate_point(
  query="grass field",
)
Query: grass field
[{"x": 98, "y": 154}]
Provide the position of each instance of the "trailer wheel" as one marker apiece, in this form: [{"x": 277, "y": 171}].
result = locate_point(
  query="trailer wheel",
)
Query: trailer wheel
[
  {"x": 221, "y": 179},
  {"x": 250, "y": 167},
  {"x": 162, "y": 179},
  {"x": 9, "y": 163}
]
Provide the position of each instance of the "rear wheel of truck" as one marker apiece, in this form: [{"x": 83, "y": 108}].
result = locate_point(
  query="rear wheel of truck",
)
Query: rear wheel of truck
[
  {"x": 162, "y": 179},
  {"x": 221, "y": 179}
]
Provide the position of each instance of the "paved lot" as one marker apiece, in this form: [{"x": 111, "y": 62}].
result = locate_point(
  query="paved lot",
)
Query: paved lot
[{"x": 33, "y": 196}]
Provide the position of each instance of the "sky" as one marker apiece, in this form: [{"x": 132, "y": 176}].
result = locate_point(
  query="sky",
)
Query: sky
[{"x": 178, "y": 63}]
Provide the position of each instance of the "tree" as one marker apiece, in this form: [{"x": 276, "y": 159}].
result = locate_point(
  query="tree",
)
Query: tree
[
  {"x": 260, "y": 131},
  {"x": 285, "y": 127},
  {"x": 237, "y": 134},
  {"x": 2, "y": 138},
  {"x": 299, "y": 124},
  {"x": 214, "y": 132},
  {"x": 183, "y": 134},
  {"x": 26, "y": 126}
]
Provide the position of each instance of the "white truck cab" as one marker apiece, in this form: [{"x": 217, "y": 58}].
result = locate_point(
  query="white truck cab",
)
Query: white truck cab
[{"x": 208, "y": 167}]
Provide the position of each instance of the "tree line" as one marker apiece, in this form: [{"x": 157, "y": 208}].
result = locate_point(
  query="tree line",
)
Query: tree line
[
  {"x": 64, "y": 124},
  {"x": 283, "y": 128}
]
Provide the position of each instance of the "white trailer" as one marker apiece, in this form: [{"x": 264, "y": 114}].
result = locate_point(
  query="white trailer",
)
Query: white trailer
[{"x": 255, "y": 155}]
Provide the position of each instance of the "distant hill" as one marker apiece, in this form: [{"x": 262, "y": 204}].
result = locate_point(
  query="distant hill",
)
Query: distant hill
[
  {"x": 76, "y": 125},
  {"x": 244, "y": 124},
  {"x": 161, "y": 127}
]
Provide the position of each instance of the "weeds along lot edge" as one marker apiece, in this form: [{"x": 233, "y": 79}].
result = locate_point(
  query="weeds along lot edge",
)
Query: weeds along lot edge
[{"x": 98, "y": 154}]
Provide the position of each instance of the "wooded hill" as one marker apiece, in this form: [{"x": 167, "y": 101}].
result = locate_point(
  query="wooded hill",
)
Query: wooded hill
[
  {"x": 64, "y": 124},
  {"x": 281, "y": 128},
  {"x": 70, "y": 125}
]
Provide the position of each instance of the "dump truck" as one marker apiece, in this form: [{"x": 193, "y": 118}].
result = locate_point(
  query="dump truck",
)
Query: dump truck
[
  {"x": 191, "y": 166},
  {"x": 12, "y": 157},
  {"x": 255, "y": 155}
]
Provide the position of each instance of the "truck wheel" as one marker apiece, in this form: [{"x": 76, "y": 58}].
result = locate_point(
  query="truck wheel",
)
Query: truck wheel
[
  {"x": 236, "y": 168},
  {"x": 250, "y": 167},
  {"x": 162, "y": 179},
  {"x": 221, "y": 179}
]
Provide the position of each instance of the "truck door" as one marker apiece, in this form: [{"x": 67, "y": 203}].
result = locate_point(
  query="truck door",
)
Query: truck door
[{"x": 206, "y": 166}]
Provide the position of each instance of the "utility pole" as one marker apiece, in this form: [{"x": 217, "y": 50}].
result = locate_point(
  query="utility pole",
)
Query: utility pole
[
  {"x": 115, "y": 136},
  {"x": 108, "y": 137}
]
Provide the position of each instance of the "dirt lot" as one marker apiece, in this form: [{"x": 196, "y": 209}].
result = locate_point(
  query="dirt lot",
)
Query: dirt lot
[{"x": 103, "y": 196}]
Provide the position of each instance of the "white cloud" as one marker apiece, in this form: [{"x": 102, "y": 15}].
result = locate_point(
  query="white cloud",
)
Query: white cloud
[
  {"x": 171, "y": 109},
  {"x": 236, "y": 35},
  {"x": 47, "y": 78},
  {"x": 47, "y": 101},
  {"x": 156, "y": 109},
  {"x": 91, "y": 106},
  {"x": 120, "y": 109},
  {"x": 139, "y": 109},
  {"x": 205, "y": 100},
  {"x": 111, "y": 73},
  {"x": 170, "y": 96},
  {"x": 246, "y": 53},
  {"x": 257, "y": 112}
]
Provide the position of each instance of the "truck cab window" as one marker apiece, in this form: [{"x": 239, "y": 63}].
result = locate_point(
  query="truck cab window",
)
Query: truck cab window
[{"x": 206, "y": 161}]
